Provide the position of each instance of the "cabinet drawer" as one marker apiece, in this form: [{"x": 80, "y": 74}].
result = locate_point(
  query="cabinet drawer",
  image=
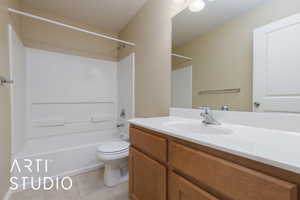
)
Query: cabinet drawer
[
  {"x": 152, "y": 145},
  {"x": 182, "y": 189},
  {"x": 231, "y": 180}
]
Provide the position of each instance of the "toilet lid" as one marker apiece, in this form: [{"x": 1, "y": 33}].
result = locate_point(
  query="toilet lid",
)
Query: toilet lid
[{"x": 114, "y": 147}]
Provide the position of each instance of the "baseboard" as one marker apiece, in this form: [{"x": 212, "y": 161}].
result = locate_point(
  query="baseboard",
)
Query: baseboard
[
  {"x": 8, "y": 195},
  {"x": 65, "y": 174},
  {"x": 81, "y": 171}
]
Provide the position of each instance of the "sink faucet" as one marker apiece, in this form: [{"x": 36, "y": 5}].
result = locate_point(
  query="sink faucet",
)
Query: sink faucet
[{"x": 208, "y": 118}]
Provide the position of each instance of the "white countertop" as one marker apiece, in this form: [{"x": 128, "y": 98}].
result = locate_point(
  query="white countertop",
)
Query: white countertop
[{"x": 273, "y": 147}]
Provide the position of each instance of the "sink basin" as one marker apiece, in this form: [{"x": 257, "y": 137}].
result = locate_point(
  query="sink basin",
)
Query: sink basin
[{"x": 197, "y": 127}]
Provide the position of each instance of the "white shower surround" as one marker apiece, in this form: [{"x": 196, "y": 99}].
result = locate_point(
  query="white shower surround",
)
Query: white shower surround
[
  {"x": 126, "y": 72},
  {"x": 72, "y": 104}
]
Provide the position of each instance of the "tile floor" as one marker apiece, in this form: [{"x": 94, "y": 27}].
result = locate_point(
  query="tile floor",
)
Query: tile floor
[{"x": 88, "y": 186}]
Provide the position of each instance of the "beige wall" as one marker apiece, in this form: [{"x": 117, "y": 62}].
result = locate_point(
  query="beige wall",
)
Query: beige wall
[
  {"x": 150, "y": 29},
  {"x": 5, "y": 131},
  {"x": 222, "y": 58},
  {"x": 43, "y": 35}
]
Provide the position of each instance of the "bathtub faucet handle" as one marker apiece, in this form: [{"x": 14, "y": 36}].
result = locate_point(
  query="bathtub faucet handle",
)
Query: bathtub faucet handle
[{"x": 120, "y": 125}]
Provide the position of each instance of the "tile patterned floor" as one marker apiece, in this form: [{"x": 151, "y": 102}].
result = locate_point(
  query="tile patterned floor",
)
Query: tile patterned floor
[{"x": 88, "y": 186}]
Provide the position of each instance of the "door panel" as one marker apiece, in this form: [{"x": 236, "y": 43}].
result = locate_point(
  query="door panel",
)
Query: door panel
[
  {"x": 276, "y": 83},
  {"x": 148, "y": 178},
  {"x": 181, "y": 189}
]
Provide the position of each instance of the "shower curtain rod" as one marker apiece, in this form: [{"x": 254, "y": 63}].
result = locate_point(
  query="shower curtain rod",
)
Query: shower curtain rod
[
  {"x": 68, "y": 26},
  {"x": 181, "y": 56}
]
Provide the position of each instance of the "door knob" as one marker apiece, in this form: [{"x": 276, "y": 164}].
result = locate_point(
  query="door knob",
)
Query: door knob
[{"x": 256, "y": 104}]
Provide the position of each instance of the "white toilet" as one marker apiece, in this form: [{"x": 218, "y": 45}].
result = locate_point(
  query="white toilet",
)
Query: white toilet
[{"x": 114, "y": 155}]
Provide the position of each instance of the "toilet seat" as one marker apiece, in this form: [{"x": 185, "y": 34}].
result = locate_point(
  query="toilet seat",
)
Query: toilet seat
[{"x": 113, "y": 148}]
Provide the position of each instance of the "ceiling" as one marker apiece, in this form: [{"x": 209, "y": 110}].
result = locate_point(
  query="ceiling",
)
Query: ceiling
[
  {"x": 188, "y": 25},
  {"x": 107, "y": 15}
]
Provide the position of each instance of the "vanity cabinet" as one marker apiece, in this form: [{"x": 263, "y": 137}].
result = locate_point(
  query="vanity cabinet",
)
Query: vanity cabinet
[
  {"x": 150, "y": 144},
  {"x": 182, "y": 189},
  {"x": 231, "y": 180},
  {"x": 147, "y": 177},
  {"x": 167, "y": 168}
]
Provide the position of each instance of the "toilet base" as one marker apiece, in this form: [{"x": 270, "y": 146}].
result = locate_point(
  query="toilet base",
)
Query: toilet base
[{"x": 116, "y": 172}]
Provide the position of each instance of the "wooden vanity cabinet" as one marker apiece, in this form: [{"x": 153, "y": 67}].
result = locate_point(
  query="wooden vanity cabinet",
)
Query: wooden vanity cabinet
[
  {"x": 229, "y": 179},
  {"x": 147, "y": 177},
  {"x": 182, "y": 189},
  {"x": 150, "y": 144},
  {"x": 162, "y": 167}
]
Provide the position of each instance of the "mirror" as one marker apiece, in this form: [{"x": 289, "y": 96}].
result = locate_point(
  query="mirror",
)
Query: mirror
[{"x": 237, "y": 55}]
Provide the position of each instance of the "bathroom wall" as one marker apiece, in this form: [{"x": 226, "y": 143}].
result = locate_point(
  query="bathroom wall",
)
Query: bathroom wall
[
  {"x": 73, "y": 109},
  {"x": 150, "y": 29},
  {"x": 5, "y": 114},
  {"x": 42, "y": 35},
  {"x": 231, "y": 44},
  {"x": 17, "y": 60}
]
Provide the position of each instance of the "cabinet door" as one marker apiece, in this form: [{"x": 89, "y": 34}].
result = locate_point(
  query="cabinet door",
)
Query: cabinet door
[
  {"x": 182, "y": 189},
  {"x": 147, "y": 177}
]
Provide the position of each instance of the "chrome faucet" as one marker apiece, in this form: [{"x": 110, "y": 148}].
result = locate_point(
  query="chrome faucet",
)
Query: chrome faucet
[{"x": 208, "y": 118}]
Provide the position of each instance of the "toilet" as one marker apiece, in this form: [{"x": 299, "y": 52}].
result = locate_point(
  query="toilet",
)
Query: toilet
[{"x": 114, "y": 155}]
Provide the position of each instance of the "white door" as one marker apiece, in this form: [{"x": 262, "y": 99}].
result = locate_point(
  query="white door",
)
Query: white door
[
  {"x": 182, "y": 88},
  {"x": 276, "y": 71}
]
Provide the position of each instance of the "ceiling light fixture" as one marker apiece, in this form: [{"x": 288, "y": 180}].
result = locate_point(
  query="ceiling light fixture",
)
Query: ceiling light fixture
[
  {"x": 197, "y": 5},
  {"x": 179, "y": 1}
]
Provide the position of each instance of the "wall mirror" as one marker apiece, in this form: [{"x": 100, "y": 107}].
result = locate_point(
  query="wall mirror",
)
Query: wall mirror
[{"x": 237, "y": 55}]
